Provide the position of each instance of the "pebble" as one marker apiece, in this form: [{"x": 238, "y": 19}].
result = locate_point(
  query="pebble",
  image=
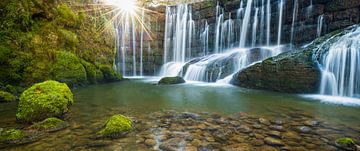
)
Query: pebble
[
  {"x": 304, "y": 129},
  {"x": 150, "y": 142},
  {"x": 275, "y": 134},
  {"x": 273, "y": 141},
  {"x": 264, "y": 121}
]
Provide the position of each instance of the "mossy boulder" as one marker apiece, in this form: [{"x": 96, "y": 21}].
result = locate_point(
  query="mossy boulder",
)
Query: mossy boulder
[
  {"x": 6, "y": 97},
  {"x": 11, "y": 135},
  {"x": 50, "y": 125},
  {"x": 43, "y": 100},
  {"x": 346, "y": 144},
  {"x": 116, "y": 126},
  {"x": 171, "y": 80},
  {"x": 93, "y": 73},
  {"x": 68, "y": 69},
  {"x": 110, "y": 75}
]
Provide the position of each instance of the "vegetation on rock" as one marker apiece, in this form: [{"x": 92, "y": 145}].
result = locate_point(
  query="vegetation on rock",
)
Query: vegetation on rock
[
  {"x": 6, "y": 97},
  {"x": 37, "y": 38},
  {"x": 346, "y": 143},
  {"x": 116, "y": 126},
  {"x": 43, "y": 100},
  {"x": 49, "y": 124},
  {"x": 11, "y": 135},
  {"x": 171, "y": 80}
]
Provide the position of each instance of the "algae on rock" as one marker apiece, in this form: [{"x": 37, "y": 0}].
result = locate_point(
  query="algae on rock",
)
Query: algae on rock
[{"x": 116, "y": 126}]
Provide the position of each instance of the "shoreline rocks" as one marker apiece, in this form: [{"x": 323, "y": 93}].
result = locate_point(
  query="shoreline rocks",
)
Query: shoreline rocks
[
  {"x": 171, "y": 80},
  {"x": 116, "y": 126}
]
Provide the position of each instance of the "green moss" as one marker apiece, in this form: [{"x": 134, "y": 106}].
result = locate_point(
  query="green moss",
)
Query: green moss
[
  {"x": 12, "y": 134},
  {"x": 65, "y": 16},
  {"x": 171, "y": 80},
  {"x": 6, "y": 97},
  {"x": 93, "y": 74},
  {"x": 69, "y": 38},
  {"x": 43, "y": 100},
  {"x": 345, "y": 142},
  {"x": 68, "y": 68},
  {"x": 49, "y": 124},
  {"x": 109, "y": 73},
  {"x": 115, "y": 126}
]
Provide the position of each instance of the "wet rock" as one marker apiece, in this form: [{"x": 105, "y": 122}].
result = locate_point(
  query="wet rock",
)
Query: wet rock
[
  {"x": 273, "y": 141},
  {"x": 277, "y": 127},
  {"x": 311, "y": 123},
  {"x": 191, "y": 115},
  {"x": 172, "y": 144},
  {"x": 244, "y": 129},
  {"x": 264, "y": 121},
  {"x": 237, "y": 147},
  {"x": 257, "y": 142},
  {"x": 277, "y": 121},
  {"x": 346, "y": 144},
  {"x": 49, "y": 125},
  {"x": 150, "y": 142},
  {"x": 256, "y": 126},
  {"x": 171, "y": 80},
  {"x": 304, "y": 129},
  {"x": 267, "y": 148},
  {"x": 275, "y": 134}
]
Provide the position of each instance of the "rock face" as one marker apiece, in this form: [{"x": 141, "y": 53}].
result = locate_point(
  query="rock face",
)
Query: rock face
[
  {"x": 43, "y": 100},
  {"x": 171, "y": 80},
  {"x": 116, "y": 126},
  {"x": 293, "y": 72}
]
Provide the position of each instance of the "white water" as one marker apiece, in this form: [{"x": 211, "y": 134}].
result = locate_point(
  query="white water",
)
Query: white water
[
  {"x": 341, "y": 67},
  {"x": 268, "y": 9},
  {"x": 204, "y": 37},
  {"x": 254, "y": 30},
  {"x": 141, "y": 44},
  {"x": 295, "y": 13},
  {"x": 245, "y": 24},
  {"x": 320, "y": 25},
  {"x": 281, "y": 10}
]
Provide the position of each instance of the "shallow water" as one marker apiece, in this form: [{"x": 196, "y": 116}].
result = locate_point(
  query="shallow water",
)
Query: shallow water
[{"x": 139, "y": 98}]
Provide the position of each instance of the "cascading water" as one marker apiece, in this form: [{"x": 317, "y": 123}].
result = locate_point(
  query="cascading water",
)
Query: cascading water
[
  {"x": 295, "y": 13},
  {"x": 204, "y": 37},
  {"x": 177, "y": 38},
  {"x": 281, "y": 9},
  {"x": 320, "y": 25},
  {"x": 245, "y": 24},
  {"x": 341, "y": 67},
  {"x": 254, "y": 30},
  {"x": 268, "y": 9}
]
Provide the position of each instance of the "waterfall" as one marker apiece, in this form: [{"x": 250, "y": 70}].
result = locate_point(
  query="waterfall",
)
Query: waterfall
[
  {"x": 341, "y": 67},
  {"x": 281, "y": 7},
  {"x": 245, "y": 24},
  {"x": 295, "y": 12},
  {"x": 219, "y": 20},
  {"x": 177, "y": 39},
  {"x": 254, "y": 30},
  {"x": 204, "y": 37},
  {"x": 239, "y": 17},
  {"x": 262, "y": 22},
  {"x": 134, "y": 45},
  {"x": 141, "y": 45},
  {"x": 268, "y": 8},
  {"x": 320, "y": 25}
]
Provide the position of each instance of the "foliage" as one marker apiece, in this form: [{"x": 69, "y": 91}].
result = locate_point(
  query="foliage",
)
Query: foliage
[
  {"x": 109, "y": 73},
  {"x": 115, "y": 126},
  {"x": 6, "y": 97},
  {"x": 345, "y": 142},
  {"x": 43, "y": 100},
  {"x": 33, "y": 32},
  {"x": 94, "y": 75}
]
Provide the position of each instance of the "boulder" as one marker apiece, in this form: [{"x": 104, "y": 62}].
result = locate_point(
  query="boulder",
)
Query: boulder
[
  {"x": 116, "y": 126},
  {"x": 43, "y": 100},
  {"x": 171, "y": 80},
  {"x": 6, "y": 97}
]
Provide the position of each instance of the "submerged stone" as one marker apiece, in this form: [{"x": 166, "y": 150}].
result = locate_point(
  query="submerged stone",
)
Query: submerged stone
[
  {"x": 346, "y": 144},
  {"x": 116, "y": 126},
  {"x": 171, "y": 80},
  {"x": 6, "y": 97},
  {"x": 11, "y": 135},
  {"x": 50, "y": 125},
  {"x": 273, "y": 141},
  {"x": 43, "y": 100}
]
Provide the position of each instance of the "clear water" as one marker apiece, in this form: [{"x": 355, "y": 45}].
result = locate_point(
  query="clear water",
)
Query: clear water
[{"x": 140, "y": 97}]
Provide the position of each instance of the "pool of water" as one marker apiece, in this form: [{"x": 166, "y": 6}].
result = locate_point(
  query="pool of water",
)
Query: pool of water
[{"x": 141, "y": 97}]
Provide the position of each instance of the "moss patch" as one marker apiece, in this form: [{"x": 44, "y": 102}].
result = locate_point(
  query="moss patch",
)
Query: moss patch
[
  {"x": 6, "y": 97},
  {"x": 11, "y": 135},
  {"x": 68, "y": 68},
  {"x": 116, "y": 126},
  {"x": 109, "y": 73},
  {"x": 43, "y": 100},
  {"x": 346, "y": 143}
]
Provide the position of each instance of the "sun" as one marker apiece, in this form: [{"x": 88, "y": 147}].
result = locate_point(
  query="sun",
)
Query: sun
[{"x": 127, "y": 6}]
